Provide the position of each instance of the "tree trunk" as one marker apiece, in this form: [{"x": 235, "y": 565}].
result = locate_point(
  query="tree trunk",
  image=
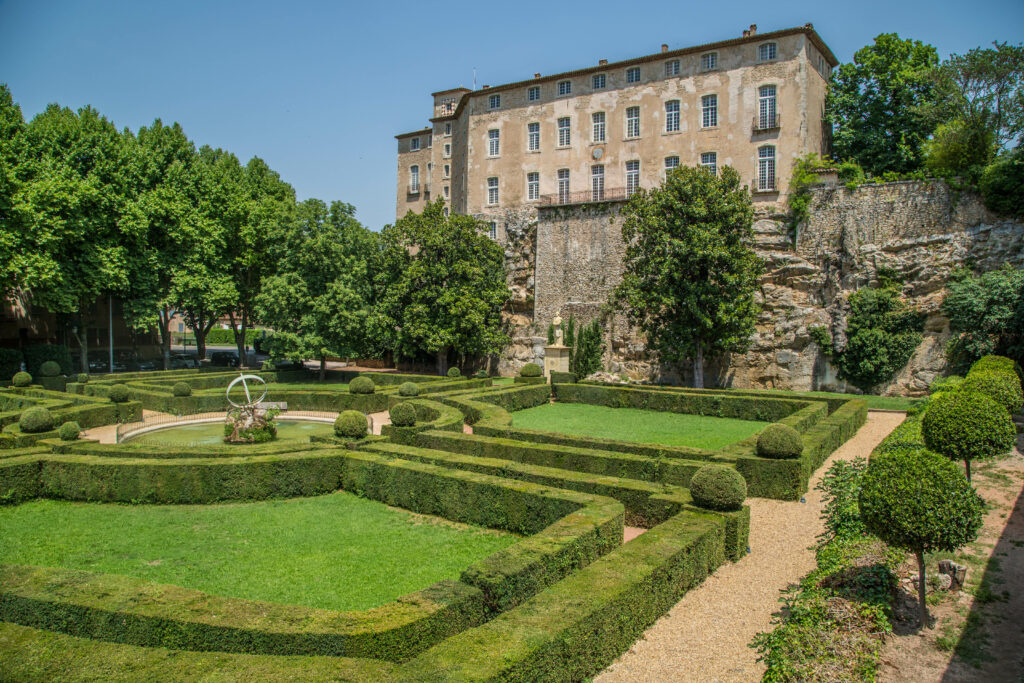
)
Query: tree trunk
[
  {"x": 968, "y": 463},
  {"x": 165, "y": 336},
  {"x": 921, "y": 587},
  {"x": 698, "y": 366},
  {"x": 442, "y": 361},
  {"x": 82, "y": 338},
  {"x": 240, "y": 338},
  {"x": 323, "y": 367}
]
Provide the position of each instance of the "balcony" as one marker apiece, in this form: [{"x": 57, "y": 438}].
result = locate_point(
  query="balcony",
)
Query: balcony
[
  {"x": 768, "y": 122},
  {"x": 764, "y": 185},
  {"x": 414, "y": 188},
  {"x": 615, "y": 194}
]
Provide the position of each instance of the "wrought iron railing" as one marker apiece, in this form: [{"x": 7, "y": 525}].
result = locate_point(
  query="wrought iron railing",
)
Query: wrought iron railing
[
  {"x": 615, "y": 194},
  {"x": 763, "y": 122},
  {"x": 762, "y": 184}
]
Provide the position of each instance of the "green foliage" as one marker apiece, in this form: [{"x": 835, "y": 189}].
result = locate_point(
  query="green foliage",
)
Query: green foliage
[
  {"x": 690, "y": 276},
  {"x": 779, "y": 441},
  {"x": 82, "y": 378},
  {"x": 351, "y": 424},
  {"x": 181, "y": 389},
  {"x": 69, "y": 431},
  {"x": 36, "y": 420},
  {"x": 1003, "y": 387},
  {"x": 950, "y": 383},
  {"x": 118, "y": 393},
  {"x": 585, "y": 358},
  {"x": 822, "y": 337},
  {"x": 986, "y": 315},
  {"x": 481, "y": 374},
  {"x": 408, "y": 389},
  {"x": 36, "y": 355},
  {"x": 454, "y": 372},
  {"x": 361, "y": 385},
  {"x": 1000, "y": 185},
  {"x": 967, "y": 426},
  {"x": 718, "y": 488},
  {"x": 875, "y": 105},
  {"x": 841, "y": 492},
  {"x": 403, "y": 414},
  {"x": 994, "y": 363},
  {"x": 958, "y": 149},
  {"x": 49, "y": 369},
  {"x": 530, "y": 370},
  {"x": 881, "y": 335},
  {"x": 21, "y": 379},
  {"x": 10, "y": 361}
]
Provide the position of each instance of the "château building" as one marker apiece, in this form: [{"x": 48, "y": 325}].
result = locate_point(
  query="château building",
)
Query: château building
[{"x": 598, "y": 133}]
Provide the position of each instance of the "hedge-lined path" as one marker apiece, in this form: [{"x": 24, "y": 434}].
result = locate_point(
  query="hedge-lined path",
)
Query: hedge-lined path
[
  {"x": 705, "y": 636},
  {"x": 108, "y": 433},
  {"x": 379, "y": 420}
]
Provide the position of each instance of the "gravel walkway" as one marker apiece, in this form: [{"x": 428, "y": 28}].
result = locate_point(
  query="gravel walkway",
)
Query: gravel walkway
[{"x": 705, "y": 636}]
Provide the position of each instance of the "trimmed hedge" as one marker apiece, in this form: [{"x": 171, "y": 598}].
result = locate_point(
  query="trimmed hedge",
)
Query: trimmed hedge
[
  {"x": 36, "y": 420},
  {"x": 21, "y": 379},
  {"x": 181, "y": 389},
  {"x": 529, "y": 380},
  {"x": 69, "y": 431},
  {"x": 531, "y": 370},
  {"x": 997, "y": 363},
  {"x": 1001, "y": 386},
  {"x": 718, "y": 488},
  {"x": 454, "y": 372},
  {"x": 10, "y": 361},
  {"x": 402, "y": 415},
  {"x": 408, "y": 389},
  {"x": 37, "y": 354},
  {"x": 361, "y": 385},
  {"x": 562, "y": 378},
  {"x": 118, "y": 393},
  {"x": 965, "y": 426},
  {"x": 351, "y": 424},
  {"x": 780, "y": 442}
]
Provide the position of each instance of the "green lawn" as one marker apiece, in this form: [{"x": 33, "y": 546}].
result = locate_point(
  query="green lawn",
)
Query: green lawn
[
  {"x": 337, "y": 551},
  {"x": 874, "y": 402},
  {"x": 630, "y": 424},
  {"x": 209, "y": 433}
]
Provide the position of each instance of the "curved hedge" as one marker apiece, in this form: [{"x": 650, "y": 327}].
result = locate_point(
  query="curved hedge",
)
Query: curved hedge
[
  {"x": 779, "y": 441},
  {"x": 1003, "y": 387},
  {"x": 997, "y": 363}
]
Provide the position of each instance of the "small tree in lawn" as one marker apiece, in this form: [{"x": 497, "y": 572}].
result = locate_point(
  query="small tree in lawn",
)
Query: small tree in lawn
[
  {"x": 967, "y": 426},
  {"x": 919, "y": 501},
  {"x": 690, "y": 276}
]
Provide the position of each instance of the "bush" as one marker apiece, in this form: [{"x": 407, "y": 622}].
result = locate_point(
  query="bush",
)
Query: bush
[
  {"x": 36, "y": 420},
  {"x": 780, "y": 442},
  {"x": 10, "y": 361},
  {"x": 351, "y": 424},
  {"x": 408, "y": 389},
  {"x": 997, "y": 364},
  {"x": 882, "y": 334},
  {"x": 37, "y": 354},
  {"x": 49, "y": 369},
  {"x": 268, "y": 365},
  {"x": 951, "y": 383},
  {"x": 718, "y": 488},
  {"x": 454, "y": 372},
  {"x": 181, "y": 389},
  {"x": 403, "y": 414},
  {"x": 1002, "y": 387},
  {"x": 361, "y": 385},
  {"x": 965, "y": 426},
  {"x": 21, "y": 379},
  {"x": 82, "y": 378},
  {"x": 531, "y": 370},
  {"x": 920, "y": 502},
  {"x": 481, "y": 374},
  {"x": 69, "y": 431},
  {"x": 1000, "y": 186},
  {"x": 118, "y": 393}
]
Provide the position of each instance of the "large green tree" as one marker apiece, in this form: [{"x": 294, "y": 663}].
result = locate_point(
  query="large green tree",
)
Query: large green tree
[
  {"x": 986, "y": 315},
  {"x": 690, "y": 276},
  {"x": 16, "y": 264},
  {"x": 876, "y": 104},
  {"x": 440, "y": 287}
]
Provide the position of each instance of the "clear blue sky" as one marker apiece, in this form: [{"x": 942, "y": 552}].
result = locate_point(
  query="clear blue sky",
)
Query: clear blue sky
[{"x": 319, "y": 90}]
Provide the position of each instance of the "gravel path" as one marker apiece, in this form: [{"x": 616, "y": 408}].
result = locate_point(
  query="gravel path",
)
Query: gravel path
[{"x": 705, "y": 636}]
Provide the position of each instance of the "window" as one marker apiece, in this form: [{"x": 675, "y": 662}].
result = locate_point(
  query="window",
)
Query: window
[
  {"x": 597, "y": 183},
  {"x": 447, "y": 129},
  {"x": 598, "y": 81},
  {"x": 709, "y": 160},
  {"x": 709, "y": 111},
  {"x": 672, "y": 68},
  {"x": 598, "y": 118},
  {"x": 709, "y": 61},
  {"x": 633, "y": 122},
  {"x": 447, "y": 171},
  {"x": 532, "y": 137},
  {"x": 414, "y": 144},
  {"x": 492, "y": 230},
  {"x": 766, "y": 168},
  {"x": 494, "y": 102},
  {"x": 672, "y": 116},
  {"x": 447, "y": 191},
  {"x": 633, "y": 75},
  {"x": 564, "y": 87},
  {"x": 492, "y": 190},
  {"x": 493, "y": 142},
  {"x": 414, "y": 179},
  {"x": 766, "y": 107},
  {"x": 563, "y": 186},
  {"x": 767, "y": 52},
  {"x": 533, "y": 186},
  {"x": 670, "y": 163},
  {"x": 564, "y": 138},
  {"x": 632, "y": 177},
  {"x": 447, "y": 149},
  {"x": 533, "y": 94}
]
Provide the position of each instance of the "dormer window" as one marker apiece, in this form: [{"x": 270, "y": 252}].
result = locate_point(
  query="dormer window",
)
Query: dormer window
[
  {"x": 564, "y": 88},
  {"x": 672, "y": 68},
  {"x": 633, "y": 75},
  {"x": 767, "y": 52},
  {"x": 494, "y": 102},
  {"x": 709, "y": 61},
  {"x": 598, "y": 81},
  {"x": 533, "y": 93}
]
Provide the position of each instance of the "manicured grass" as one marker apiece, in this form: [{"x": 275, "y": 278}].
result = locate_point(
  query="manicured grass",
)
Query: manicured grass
[
  {"x": 210, "y": 433},
  {"x": 502, "y": 381},
  {"x": 337, "y": 551},
  {"x": 874, "y": 402},
  {"x": 642, "y": 426}
]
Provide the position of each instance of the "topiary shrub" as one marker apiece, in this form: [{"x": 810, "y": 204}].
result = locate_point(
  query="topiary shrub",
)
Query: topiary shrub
[
  {"x": 10, "y": 361},
  {"x": 351, "y": 424},
  {"x": 21, "y": 379},
  {"x": 951, "y": 383},
  {"x": 966, "y": 426},
  {"x": 49, "y": 369},
  {"x": 408, "y": 389},
  {"x": 181, "y": 389},
  {"x": 36, "y": 420},
  {"x": 918, "y": 501},
  {"x": 1002, "y": 387},
  {"x": 403, "y": 414},
  {"x": 780, "y": 442},
  {"x": 82, "y": 378},
  {"x": 531, "y": 370},
  {"x": 37, "y": 354},
  {"x": 716, "y": 487},
  {"x": 481, "y": 374},
  {"x": 454, "y": 372},
  {"x": 361, "y": 385},
  {"x": 997, "y": 363},
  {"x": 118, "y": 393},
  {"x": 69, "y": 431}
]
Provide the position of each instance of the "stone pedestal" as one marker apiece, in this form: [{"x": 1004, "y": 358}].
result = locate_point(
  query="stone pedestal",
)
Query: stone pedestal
[{"x": 556, "y": 359}]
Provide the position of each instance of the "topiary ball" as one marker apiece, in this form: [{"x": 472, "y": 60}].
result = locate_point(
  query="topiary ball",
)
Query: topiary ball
[
  {"x": 36, "y": 420},
  {"x": 361, "y": 385},
  {"x": 50, "y": 368},
  {"x": 69, "y": 431},
  {"x": 181, "y": 389},
  {"x": 403, "y": 414},
  {"x": 780, "y": 442},
  {"x": 963, "y": 426},
  {"x": 408, "y": 389},
  {"x": 997, "y": 363},
  {"x": 481, "y": 374},
  {"x": 118, "y": 393},
  {"x": 531, "y": 370},
  {"x": 951, "y": 383},
  {"x": 82, "y": 378},
  {"x": 454, "y": 372},
  {"x": 716, "y": 487},
  {"x": 21, "y": 379},
  {"x": 1003, "y": 387},
  {"x": 351, "y": 424}
]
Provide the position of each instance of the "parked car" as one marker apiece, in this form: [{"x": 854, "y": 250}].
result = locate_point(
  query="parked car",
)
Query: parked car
[
  {"x": 182, "y": 361},
  {"x": 224, "y": 358}
]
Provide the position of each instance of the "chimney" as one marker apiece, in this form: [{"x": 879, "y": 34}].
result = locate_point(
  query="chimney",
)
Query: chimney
[
  {"x": 602, "y": 62},
  {"x": 753, "y": 29},
  {"x": 537, "y": 75},
  {"x": 664, "y": 47}
]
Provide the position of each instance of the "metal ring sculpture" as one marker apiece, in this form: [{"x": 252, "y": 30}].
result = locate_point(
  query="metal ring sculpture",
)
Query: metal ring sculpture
[{"x": 245, "y": 385}]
